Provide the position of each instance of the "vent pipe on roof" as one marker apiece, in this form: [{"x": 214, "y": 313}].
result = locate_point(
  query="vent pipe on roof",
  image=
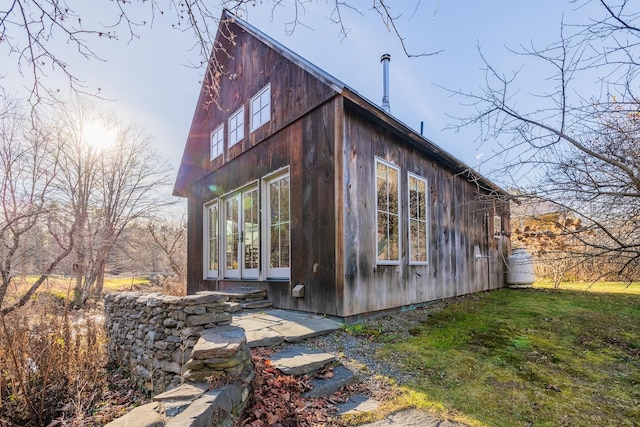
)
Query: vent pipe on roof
[{"x": 385, "y": 82}]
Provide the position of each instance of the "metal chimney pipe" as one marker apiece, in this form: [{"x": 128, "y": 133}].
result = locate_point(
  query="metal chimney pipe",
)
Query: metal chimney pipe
[{"x": 385, "y": 82}]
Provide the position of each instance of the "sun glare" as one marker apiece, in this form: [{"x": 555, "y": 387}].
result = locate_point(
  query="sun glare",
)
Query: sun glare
[{"x": 97, "y": 136}]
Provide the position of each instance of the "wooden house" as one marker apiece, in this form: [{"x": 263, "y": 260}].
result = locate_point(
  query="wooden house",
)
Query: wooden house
[{"x": 298, "y": 185}]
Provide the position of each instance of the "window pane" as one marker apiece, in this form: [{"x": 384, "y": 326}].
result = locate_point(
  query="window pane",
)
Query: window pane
[
  {"x": 231, "y": 238},
  {"x": 284, "y": 199},
  {"x": 383, "y": 195},
  {"x": 383, "y": 237},
  {"x": 213, "y": 254},
  {"x": 251, "y": 229},
  {"x": 394, "y": 236},
  {"x": 216, "y": 144},
  {"x": 284, "y": 245},
  {"x": 422, "y": 242},
  {"x": 213, "y": 222},
  {"x": 393, "y": 191},
  {"x": 413, "y": 204},
  {"x": 213, "y": 238},
  {"x": 275, "y": 246},
  {"x": 414, "y": 238}
]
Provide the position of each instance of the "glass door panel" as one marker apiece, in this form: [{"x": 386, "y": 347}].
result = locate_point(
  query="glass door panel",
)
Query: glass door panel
[
  {"x": 278, "y": 225},
  {"x": 250, "y": 233},
  {"x": 232, "y": 237},
  {"x": 213, "y": 241}
]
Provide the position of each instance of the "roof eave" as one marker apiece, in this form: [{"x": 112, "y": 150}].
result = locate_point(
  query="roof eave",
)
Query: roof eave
[{"x": 421, "y": 141}]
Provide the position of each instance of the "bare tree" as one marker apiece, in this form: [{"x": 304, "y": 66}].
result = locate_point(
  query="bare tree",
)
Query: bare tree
[
  {"x": 170, "y": 237},
  {"x": 107, "y": 188},
  {"x": 28, "y": 166},
  {"x": 28, "y": 29},
  {"x": 575, "y": 148}
]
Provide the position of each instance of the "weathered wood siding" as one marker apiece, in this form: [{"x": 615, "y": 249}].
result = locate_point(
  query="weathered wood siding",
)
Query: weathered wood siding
[
  {"x": 306, "y": 147},
  {"x": 247, "y": 67},
  {"x": 462, "y": 256}
]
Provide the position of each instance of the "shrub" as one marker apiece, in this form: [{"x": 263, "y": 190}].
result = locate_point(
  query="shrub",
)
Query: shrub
[{"x": 50, "y": 364}]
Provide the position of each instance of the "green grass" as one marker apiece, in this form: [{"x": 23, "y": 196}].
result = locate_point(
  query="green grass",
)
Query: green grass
[
  {"x": 609, "y": 287},
  {"x": 539, "y": 356}
]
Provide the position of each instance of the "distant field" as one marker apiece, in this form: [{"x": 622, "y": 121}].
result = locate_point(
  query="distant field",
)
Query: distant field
[
  {"x": 60, "y": 285},
  {"x": 609, "y": 287}
]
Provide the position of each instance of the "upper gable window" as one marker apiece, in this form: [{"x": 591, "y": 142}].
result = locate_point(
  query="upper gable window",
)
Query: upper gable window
[
  {"x": 217, "y": 142},
  {"x": 261, "y": 107},
  {"x": 236, "y": 126}
]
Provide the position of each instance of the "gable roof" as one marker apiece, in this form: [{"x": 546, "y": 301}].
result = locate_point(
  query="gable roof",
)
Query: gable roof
[{"x": 355, "y": 99}]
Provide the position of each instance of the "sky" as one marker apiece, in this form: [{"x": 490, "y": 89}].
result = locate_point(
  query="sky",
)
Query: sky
[{"x": 149, "y": 80}]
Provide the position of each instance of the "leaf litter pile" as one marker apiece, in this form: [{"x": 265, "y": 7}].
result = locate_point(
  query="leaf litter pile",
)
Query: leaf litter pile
[{"x": 276, "y": 399}]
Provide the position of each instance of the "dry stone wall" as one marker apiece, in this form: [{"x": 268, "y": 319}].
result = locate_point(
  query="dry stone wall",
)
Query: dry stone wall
[
  {"x": 153, "y": 336},
  {"x": 185, "y": 345}
]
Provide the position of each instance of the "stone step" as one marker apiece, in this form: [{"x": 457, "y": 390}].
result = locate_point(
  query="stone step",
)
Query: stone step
[
  {"x": 358, "y": 404},
  {"x": 240, "y": 294},
  {"x": 323, "y": 387},
  {"x": 299, "y": 361},
  {"x": 255, "y": 305}
]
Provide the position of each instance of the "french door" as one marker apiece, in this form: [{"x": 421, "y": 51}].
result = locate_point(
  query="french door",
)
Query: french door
[
  {"x": 278, "y": 227},
  {"x": 242, "y": 234}
]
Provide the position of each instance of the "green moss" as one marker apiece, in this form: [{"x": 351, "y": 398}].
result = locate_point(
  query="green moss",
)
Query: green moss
[{"x": 513, "y": 357}]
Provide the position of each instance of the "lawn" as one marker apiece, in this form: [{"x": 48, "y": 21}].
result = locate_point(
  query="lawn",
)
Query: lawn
[
  {"x": 529, "y": 357},
  {"x": 608, "y": 287}
]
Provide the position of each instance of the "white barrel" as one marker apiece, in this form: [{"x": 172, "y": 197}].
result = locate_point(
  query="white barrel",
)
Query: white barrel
[{"x": 520, "y": 273}]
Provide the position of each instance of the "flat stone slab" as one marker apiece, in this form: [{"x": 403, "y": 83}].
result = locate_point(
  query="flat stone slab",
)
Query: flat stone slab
[
  {"x": 253, "y": 305},
  {"x": 220, "y": 342},
  {"x": 413, "y": 418},
  {"x": 358, "y": 404},
  {"x": 323, "y": 387},
  {"x": 293, "y": 326},
  {"x": 263, "y": 338},
  {"x": 184, "y": 392},
  {"x": 299, "y": 361},
  {"x": 143, "y": 416}
]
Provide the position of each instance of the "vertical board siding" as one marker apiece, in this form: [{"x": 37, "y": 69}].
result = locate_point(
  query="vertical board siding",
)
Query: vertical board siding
[
  {"x": 306, "y": 147},
  {"x": 458, "y": 243},
  {"x": 247, "y": 66}
]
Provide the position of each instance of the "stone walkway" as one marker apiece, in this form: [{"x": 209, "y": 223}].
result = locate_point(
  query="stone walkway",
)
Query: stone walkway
[{"x": 273, "y": 327}]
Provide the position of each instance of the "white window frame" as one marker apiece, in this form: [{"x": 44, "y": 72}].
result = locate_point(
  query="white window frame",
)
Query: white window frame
[
  {"x": 261, "y": 107},
  {"x": 216, "y": 142},
  {"x": 273, "y": 273},
  {"x": 497, "y": 226},
  {"x": 236, "y": 126},
  {"x": 398, "y": 214},
  {"x": 208, "y": 273},
  {"x": 424, "y": 220}
]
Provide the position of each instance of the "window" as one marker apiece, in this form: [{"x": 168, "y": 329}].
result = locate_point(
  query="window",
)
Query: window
[
  {"x": 217, "y": 142},
  {"x": 497, "y": 226},
  {"x": 417, "y": 220},
  {"x": 387, "y": 212},
  {"x": 212, "y": 241},
  {"x": 236, "y": 126},
  {"x": 261, "y": 107},
  {"x": 278, "y": 226}
]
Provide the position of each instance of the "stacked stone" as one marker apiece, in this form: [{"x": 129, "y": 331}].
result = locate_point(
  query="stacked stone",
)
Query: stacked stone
[
  {"x": 153, "y": 335},
  {"x": 221, "y": 355}
]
